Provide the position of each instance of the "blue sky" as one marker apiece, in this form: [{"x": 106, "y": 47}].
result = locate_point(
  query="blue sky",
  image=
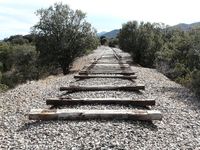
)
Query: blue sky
[{"x": 17, "y": 16}]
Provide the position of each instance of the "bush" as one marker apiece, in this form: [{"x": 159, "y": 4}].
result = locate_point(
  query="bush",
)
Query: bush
[
  {"x": 142, "y": 41},
  {"x": 62, "y": 34},
  {"x": 18, "y": 63},
  {"x": 113, "y": 42},
  {"x": 193, "y": 58},
  {"x": 195, "y": 82},
  {"x": 1, "y": 67},
  {"x": 3, "y": 87},
  {"x": 173, "y": 52},
  {"x": 17, "y": 39},
  {"x": 103, "y": 40},
  {"x": 5, "y": 52},
  {"x": 0, "y": 76},
  {"x": 179, "y": 71},
  {"x": 11, "y": 79}
]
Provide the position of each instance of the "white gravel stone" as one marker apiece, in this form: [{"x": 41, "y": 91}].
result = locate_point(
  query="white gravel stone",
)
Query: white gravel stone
[{"x": 179, "y": 129}]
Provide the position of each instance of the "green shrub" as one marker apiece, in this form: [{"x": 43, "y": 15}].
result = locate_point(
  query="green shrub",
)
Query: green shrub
[
  {"x": 3, "y": 87},
  {"x": 193, "y": 58},
  {"x": 179, "y": 71},
  {"x": 17, "y": 39},
  {"x": 11, "y": 79},
  {"x": 18, "y": 63},
  {"x": 103, "y": 40},
  {"x": 0, "y": 76},
  {"x": 186, "y": 80},
  {"x": 175, "y": 53},
  {"x": 62, "y": 34},
  {"x": 1, "y": 66},
  {"x": 113, "y": 42},
  {"x": 142, "y": 41},
  {"x": 195, "y": 82}
]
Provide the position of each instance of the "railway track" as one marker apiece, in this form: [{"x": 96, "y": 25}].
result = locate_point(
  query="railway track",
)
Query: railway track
[{"x": 110, "y": 64}]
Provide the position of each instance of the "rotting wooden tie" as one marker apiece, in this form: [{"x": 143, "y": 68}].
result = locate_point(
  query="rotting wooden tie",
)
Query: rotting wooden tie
[
  {"x": 86, "y": 101},
  {"x": 105, "y": 76},
  {"x": 103, "y": 88},
  {"x": 109, "y": 65},
  {"x": 71, "y": 114},
  {"x": 113, "y": 63},
  {"x": 106, "y": 72}
]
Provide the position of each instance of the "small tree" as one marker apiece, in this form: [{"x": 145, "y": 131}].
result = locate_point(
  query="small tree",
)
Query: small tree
[
  {"x": 61, "y": 34},
  {"x": 103, "y": 40},
  {"x": 113, "y": 42},
  {"x": 16, "y": 39},
  {"x": 128, "y": 37},
  {"x": 142, "y": 41}
]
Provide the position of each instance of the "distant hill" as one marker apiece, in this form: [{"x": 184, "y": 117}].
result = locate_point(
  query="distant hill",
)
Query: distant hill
[
  {"x": 186, "y": 27},
  {"x": 111, "y": 34},
  {"x": 181, "y": 26},
  {"x": 101, "y": 33}
]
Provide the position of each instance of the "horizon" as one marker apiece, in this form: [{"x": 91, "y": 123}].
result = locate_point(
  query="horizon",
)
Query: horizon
[{"x": 17, "y": 17}]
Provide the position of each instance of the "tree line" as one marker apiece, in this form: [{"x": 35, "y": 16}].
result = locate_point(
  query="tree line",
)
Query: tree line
[
  {"x": 173, "y": 52},
  {"x": 61, "y": 35}
]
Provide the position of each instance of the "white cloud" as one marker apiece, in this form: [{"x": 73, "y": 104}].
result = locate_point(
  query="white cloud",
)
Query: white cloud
[
  {"x": 169, "y": 11},
  {"x": 20, "y": 13}
]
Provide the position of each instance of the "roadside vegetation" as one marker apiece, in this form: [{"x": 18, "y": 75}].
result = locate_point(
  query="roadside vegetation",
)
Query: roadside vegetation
[
  {"x": 61, "y": 35},
  {"x": 173, "y": 52}
]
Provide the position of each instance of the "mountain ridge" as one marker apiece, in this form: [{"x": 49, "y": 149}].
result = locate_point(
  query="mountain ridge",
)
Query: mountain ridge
[
  {"x": 111, "y": 34},
  {"x": 181, "y": 26},
  {"x": 185, "y": 26}
]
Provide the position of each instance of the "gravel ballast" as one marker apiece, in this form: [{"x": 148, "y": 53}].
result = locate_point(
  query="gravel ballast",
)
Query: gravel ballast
[{"x": 179, "y": 128}]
